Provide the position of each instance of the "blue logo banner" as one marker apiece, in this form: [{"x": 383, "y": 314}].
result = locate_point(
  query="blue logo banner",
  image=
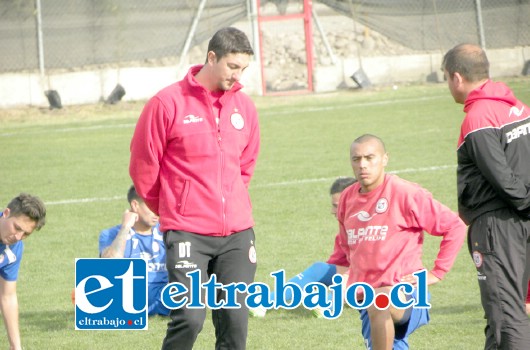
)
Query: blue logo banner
[{"x": 110, "y": 294}]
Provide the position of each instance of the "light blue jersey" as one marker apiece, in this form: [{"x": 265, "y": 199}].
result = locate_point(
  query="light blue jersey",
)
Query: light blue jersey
[
  {"x": 10, "y": 256},
  {"x": 148, "y": 247}
]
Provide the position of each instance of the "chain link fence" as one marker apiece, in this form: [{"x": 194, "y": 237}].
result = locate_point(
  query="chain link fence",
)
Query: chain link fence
[
  {"x": 441, "y": 24},
  {"x": 80, "y": 33}
]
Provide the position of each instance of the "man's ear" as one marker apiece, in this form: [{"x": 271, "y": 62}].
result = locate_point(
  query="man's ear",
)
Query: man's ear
[
  {"x": 212, "y": 57},
  {"x": 458, "y": 79},
  {"x": 385, "y": 159},
  {"x": 6, "y": 212},
  {"x": 135, "y": 205}
]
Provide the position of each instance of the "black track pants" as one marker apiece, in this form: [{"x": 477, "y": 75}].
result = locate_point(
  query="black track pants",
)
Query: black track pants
[
  {"x": 231, "y": 259},
  {"x": 499, "y": 245}
]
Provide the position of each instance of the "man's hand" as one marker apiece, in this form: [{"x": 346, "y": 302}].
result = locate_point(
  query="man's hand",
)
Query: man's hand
[
  {"x": 129, "y": 219},
  {"x": 117, "y": 247}
]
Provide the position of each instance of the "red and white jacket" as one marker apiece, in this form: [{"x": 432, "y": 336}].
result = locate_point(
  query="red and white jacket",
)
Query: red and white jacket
[
  {"x": 382, "y": 231},
  {"x": 190, "y": 170},
  {"x": 493, "y": 153}
]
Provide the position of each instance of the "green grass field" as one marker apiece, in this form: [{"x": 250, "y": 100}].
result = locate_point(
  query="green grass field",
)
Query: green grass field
[{"x": 76, "y": 160}]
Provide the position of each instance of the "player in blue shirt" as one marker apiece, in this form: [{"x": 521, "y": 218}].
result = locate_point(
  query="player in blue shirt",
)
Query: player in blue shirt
[
  {"x": 24, "y": 214},
  {"x": 138, "y": 236}
]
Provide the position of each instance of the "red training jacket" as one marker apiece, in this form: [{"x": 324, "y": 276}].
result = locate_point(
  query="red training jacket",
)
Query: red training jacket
[{"x": 191, "y": 171}]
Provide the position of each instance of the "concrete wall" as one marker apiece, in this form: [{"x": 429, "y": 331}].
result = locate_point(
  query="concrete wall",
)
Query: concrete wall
[
  {"x": 93, "y": 86},
  {"x": 412, "y": 68},
  {"x": 140, "y": 83}
]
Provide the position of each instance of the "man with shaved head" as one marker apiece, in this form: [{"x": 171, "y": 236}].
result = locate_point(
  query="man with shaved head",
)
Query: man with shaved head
[
  {"x": 381, "y": 223},
  {"x": 493, "y": 181}
]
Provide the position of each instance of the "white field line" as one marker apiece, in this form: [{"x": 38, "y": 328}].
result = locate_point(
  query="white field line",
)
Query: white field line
[
  {"x": 69, "y": 129},
  {"x": 85, "y": 200},
  {"x": 322, "y": 179},
  {"x": 262, "y": 114},
  {"x": 350, "y": 105},
  {"x": 273, "y": 184}
]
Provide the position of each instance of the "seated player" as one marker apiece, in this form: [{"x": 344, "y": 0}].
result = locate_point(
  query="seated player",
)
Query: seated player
[
  {"x": 138, "y": 236},
  {"x": 322, "y": 272}
]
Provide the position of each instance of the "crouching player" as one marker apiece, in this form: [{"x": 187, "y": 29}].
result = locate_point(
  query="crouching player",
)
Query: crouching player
[
  {"x": 23, "y": 215},
  {"x": 381, "y": 223}
]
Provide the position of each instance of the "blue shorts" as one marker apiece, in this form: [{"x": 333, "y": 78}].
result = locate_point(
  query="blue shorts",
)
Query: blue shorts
[
  {"x": 154, "y": 300},
  {"x": 418, "y": 318}
]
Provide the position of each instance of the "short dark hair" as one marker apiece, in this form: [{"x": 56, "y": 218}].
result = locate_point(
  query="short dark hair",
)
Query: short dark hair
[
  {"x": 132, "y": 195},
  {"x": 30, "y": 206},
  {"x": 470, "y": 61},
  {"x": 229, "y": 40},
  {"x": 340, "y": 184},
  {"x": 367, "y": 137}
]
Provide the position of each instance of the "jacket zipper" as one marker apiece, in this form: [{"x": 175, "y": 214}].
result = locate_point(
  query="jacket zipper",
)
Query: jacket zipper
[{"x": 219, "y": 140}]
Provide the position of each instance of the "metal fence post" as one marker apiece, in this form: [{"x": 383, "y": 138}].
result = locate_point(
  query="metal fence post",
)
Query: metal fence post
[
  {"x": 40, "y": 44},
  {"x": 480, "y": 24},
  {"x": 191, "y": 33},
  {"x": 252, "y": 11}
]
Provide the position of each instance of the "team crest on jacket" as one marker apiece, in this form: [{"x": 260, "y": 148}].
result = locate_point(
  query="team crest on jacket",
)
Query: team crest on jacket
[
  {"x": 252, "y": 254},
  {"x": 477, "y": 258},
  {"x": 237, "y": 120},
  {"x": 381, "y": 206}
]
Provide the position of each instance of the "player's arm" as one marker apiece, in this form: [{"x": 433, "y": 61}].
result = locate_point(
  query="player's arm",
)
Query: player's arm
[
  {"x": 117, "y": 248},
  {"x": 249, "y": 155},
  {"x": 438, "y": 220},
  {"x": 148, "y": 146},
  {"x": 9, "y": 310},
  {"x": 339, "y": 256}
]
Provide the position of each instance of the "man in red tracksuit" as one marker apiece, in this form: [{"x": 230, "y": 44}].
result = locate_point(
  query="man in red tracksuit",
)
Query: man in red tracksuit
[
  {"x": 494, "y": 192},
  {"x": 193, "y": 153}
]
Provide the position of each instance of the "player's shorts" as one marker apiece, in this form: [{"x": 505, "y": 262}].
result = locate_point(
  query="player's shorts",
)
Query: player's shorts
[
  {"x": 418, "y": 318},
  {"x": 154, "y": 302}
]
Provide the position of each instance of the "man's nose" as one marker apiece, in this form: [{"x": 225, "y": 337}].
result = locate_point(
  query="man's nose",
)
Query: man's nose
[
  {"x": 237, "y": 75},
  {"x": 362, "y": 163}
]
